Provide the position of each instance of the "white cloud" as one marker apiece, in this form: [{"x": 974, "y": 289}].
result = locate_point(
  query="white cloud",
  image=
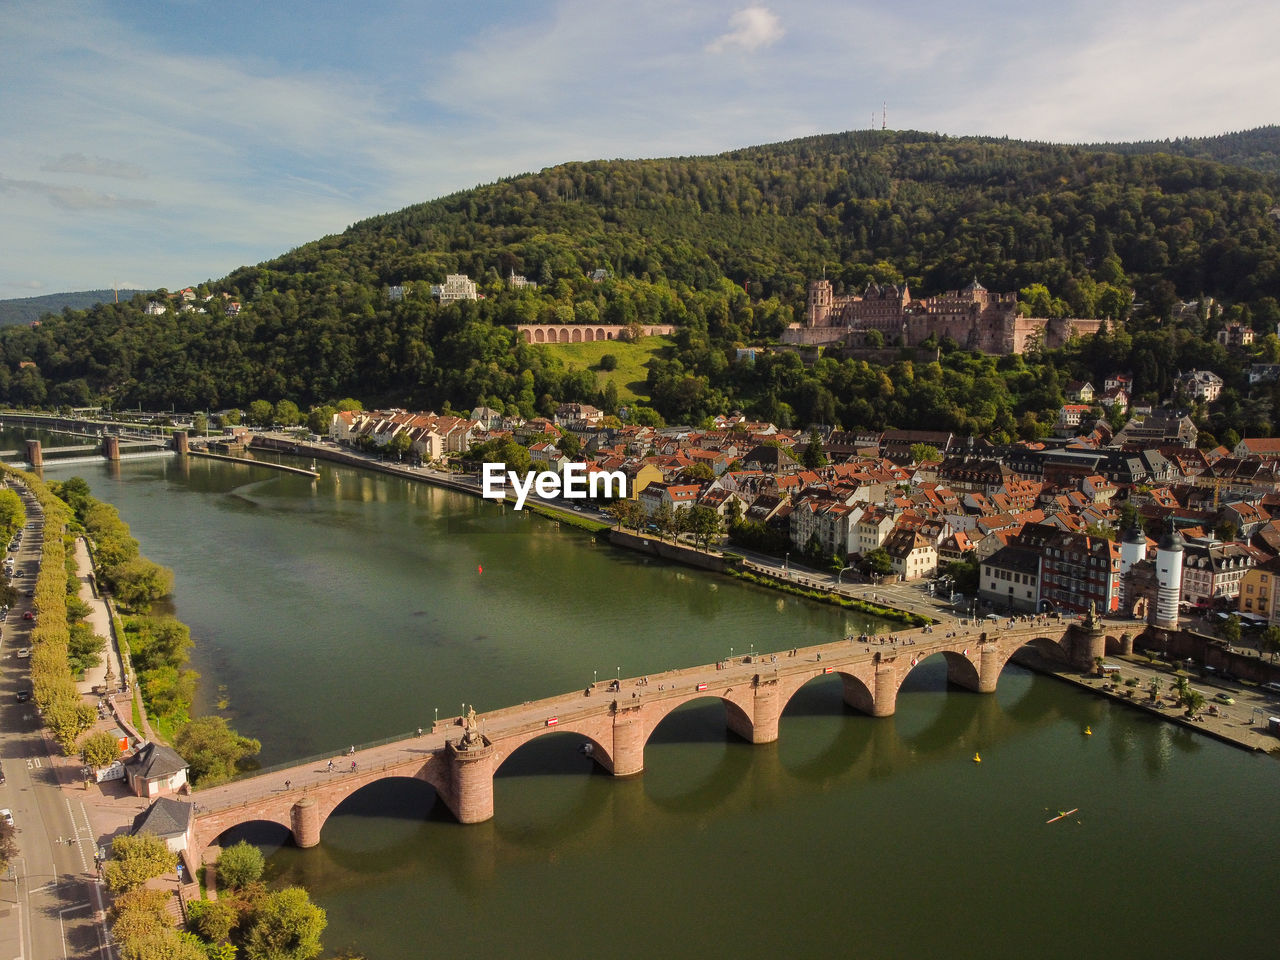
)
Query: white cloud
[
  {"x": 749, "y": 29},
  {"x": 94, "y": 166},
  {"x": 72, "y": 197}
]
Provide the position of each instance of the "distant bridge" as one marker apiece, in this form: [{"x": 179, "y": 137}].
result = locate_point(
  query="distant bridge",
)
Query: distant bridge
[
  {"x": 110, "y": 447},
  {"x": 459, "y": 756}
]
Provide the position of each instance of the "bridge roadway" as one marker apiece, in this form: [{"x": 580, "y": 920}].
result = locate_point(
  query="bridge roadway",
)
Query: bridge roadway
[{"x": 459, "y": 760}]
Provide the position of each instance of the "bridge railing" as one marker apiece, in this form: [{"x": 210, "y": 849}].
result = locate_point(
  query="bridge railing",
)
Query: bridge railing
[{"x": 314, "y": 758}]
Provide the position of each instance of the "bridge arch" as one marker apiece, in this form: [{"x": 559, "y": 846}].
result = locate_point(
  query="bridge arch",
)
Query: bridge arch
[
  {"x": 577, "y": 334},
  {"x": 1049, "y": 647},
  {"x": 738, "y": 712},
  {"x": 600, "y": 333},
  {"x": 564, "y": 334},
  {"x": 589, "y": 335},
  {"x": 597, "y": 733}
]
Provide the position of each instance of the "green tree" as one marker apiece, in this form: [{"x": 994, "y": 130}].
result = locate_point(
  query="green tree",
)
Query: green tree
[
  {"x": 287, "y": 414},
  {"x": 67, "y": 720},
  {"x": 137, "y": 582},
  {"x": 140, "y": 924},
  {"x": 1230, "y": 630},
  {"x": 240, "y": 865},
  {"x": 260, "y": 413},
  {"x": 814, "y": 456},
  {"x": 703, "y": 523},
  {"x": 199, "y": 424},
  {"x": 213, "y": 750},
  {"x": 135, "y": 860},
  {"x": 213, "y": 919},
  {"x": 8, "y": 844},
  {"x": 398, "y": 447},
  {"x": 1270, "y": 643},
  {"x": 1194, "y": 701},
  {"x": 99, "y": 750},
  {"x": 569, "y": 444},
  {"x": 920, "y": 452},
  {"x": 286, "y": 926},
  {"x": 877, "y": 563},
  {"x": 608, "y": 362}
]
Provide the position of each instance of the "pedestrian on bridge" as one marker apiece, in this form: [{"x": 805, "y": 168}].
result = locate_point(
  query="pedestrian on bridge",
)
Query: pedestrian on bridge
[{"x": 331, "y": 766}]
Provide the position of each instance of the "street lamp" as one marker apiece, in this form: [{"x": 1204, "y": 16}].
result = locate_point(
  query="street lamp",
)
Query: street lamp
[
  {"x": 786, "y": 566},
  {"x": 840, "y": 575}
]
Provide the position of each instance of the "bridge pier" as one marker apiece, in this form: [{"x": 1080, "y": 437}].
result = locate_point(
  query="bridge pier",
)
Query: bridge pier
[
  {"x": 1086, "y": 642},
  {"x": 181, "y": 442},
  {"x": 765, "y": 714},
  {"x": 990, "y": 664},
  {"x": 35, "y": 454},
  {"x": 471, "y": 769},
  {"x": 304, "y": 819},
  {"x": 629, "y": 736},
  {"x": 111, "y": 447}
]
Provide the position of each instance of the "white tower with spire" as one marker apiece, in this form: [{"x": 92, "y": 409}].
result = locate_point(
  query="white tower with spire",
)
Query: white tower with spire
[{"x": 1169, "y": 553}]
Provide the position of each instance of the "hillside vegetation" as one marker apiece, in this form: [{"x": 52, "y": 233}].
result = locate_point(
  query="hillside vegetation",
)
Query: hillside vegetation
[
  {"x": 633, "y": 363},
  {"x": 723, "y": 247},
  {"x": 26, "y": 309}
]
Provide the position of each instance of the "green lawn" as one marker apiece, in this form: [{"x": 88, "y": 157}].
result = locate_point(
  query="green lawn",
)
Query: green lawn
[{"x": 633, "y": 359}]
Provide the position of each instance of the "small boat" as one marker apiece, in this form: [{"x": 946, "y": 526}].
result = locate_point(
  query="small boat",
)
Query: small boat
[
  {"x": 977, "y": 758},
  {"x": 1063, "y": 814}
]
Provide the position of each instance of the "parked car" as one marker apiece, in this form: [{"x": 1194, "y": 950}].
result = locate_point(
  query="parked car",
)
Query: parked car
[{"x": 7, "y": 816}]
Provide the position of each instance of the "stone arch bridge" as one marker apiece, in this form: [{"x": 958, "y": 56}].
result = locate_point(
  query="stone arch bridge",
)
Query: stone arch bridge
[{"x": 460, "y": 756}]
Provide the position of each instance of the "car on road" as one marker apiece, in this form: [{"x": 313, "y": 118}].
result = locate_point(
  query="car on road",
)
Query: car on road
[
  {"x": 28, "y": 615},
  {"x": 22, "y": 696},
  {"x": 19, "y": 573},
  {"x": 1224, "y": 698},
  {"x": 7, "y": 816},
  {"x": 1, "y": 773},
  {"x": 23, "y": 653}
]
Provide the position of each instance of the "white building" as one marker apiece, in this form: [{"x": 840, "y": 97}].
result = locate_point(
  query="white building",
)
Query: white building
[{"x": 456, "y": 286}]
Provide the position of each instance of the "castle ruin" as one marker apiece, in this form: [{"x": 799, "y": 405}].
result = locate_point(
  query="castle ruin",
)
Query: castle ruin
[{"x": 974, "y": 317}]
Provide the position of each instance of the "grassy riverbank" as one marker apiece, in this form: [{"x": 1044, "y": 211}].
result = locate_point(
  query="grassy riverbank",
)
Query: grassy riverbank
[{"x": 827, "y": 596}]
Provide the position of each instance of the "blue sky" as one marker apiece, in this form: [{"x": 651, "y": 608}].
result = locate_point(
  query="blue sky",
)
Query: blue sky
[{"x": 151, "y": 143}]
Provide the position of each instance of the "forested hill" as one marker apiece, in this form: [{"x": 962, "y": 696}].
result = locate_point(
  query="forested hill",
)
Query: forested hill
[
  {"x": 1257, "y": 149},
  {"x": 722, "y": 246},
  {"x": 26, "y": 309}
]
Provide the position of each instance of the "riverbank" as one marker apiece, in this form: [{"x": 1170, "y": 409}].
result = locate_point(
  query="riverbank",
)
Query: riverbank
[{"x": 1239, "y": 724}]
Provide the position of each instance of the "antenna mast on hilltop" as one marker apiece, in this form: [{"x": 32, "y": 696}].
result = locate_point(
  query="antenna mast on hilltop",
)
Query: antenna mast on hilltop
[{"x": 884, "y": 115}]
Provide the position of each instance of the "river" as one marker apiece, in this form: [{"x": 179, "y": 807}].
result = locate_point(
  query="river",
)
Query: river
[{"x": 355, "y": 607}]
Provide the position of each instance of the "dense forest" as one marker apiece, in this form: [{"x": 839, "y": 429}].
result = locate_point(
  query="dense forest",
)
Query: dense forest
[
  {"x": 1257, "y": 149},
  {"x": 723, "y": 247},
  {"x": 26, "y": 309}
]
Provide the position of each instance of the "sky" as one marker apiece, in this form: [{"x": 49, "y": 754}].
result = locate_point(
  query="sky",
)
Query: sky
[{"x": 159, "y": 143}]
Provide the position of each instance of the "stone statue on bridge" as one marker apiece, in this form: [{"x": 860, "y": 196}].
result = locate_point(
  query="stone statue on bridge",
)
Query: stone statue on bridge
[{"x": 471, "y": 727}]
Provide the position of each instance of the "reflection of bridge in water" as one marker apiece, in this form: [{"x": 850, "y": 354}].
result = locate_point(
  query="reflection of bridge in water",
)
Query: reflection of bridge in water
[{"x": 460, "y": 756}]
